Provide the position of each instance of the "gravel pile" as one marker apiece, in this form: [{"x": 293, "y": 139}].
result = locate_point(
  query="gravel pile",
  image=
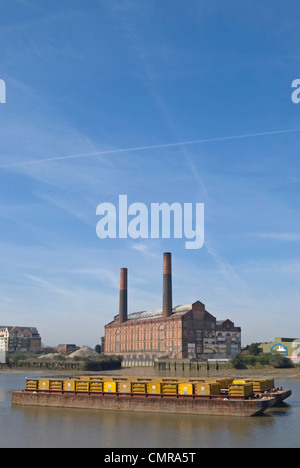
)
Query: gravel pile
[{"x": 83, "y": 352}]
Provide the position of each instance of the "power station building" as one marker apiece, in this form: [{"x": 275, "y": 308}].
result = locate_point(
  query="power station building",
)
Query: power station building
[{"x": 186, "y": 331}]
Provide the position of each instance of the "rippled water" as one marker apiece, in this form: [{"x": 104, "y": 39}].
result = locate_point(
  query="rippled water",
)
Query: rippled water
[{"x": 36, "y": 427}]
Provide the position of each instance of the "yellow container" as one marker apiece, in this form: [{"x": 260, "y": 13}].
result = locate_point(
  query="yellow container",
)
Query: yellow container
[
  {"x": 114, "y": 378},
  {"x": 259, "y": 385},
  {"x": 223, "y": 383},
  {"x": 124, "y": 387},
  {"x": 185, "y": 389},
  {"x": 154, "y": 387},
  {"x": 229, "y": 381},
  {"x": 215, "y": 388},
  {"x": 169, "y": 388},
  {"x": 82, "y": 386},
  {"x": 139, "y": 387},
  {"x": 208, "y": 388},
  {"x": 93, "y": 377},
  {"x": 69, "y": 386},
  {"x": 32, "y": 384},
  {"x": 56, "y": 385},
  {"x": 110, "y": 387},
  {"x": 241, "y": 390},
  {"x": 44, "y": 384},
  {"x": 271, "y": 383},
  {"x": 96, "y": 386}
]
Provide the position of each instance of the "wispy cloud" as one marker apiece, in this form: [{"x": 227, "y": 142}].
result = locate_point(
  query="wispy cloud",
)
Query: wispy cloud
[
  {"x": 146, "y": 248},
  {"x": 280, "y": 236},
  {"x": 146, "y": 148},
  {"x": 49, "y": 285},
  {"x": 228, "y": 272},
  {"x": 102, "y": 275}
]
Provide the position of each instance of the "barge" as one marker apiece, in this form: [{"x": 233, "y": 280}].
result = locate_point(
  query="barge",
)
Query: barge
[{"x": 183, "y": 396}]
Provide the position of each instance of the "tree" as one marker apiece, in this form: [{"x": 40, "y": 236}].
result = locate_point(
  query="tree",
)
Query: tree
[
  {"x": 254, "y": 349},
  {"x": 98, "y": 349},
  {"x": 278, "y": 361},
  {"x": 238, "y": 362}
]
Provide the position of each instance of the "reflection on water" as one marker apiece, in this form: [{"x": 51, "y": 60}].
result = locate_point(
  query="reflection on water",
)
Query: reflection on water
[{"x": 56, "y": 427}]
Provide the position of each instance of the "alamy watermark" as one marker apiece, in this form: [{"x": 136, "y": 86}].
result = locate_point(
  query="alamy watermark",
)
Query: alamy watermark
[
  {"x": 162, "y": 220},
  {"x": 2, "y": 92},
  {"x": 296, "y": 94}
]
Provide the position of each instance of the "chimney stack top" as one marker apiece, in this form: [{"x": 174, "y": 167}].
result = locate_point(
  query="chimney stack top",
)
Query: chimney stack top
[
  {"x": 167, "y": 285},
  {"x": 123, "y": 305}
]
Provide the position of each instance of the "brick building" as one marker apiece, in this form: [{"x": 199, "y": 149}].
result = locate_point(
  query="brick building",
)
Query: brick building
[
  {"x": 187, "y": 331},
  {"x": 66, "y": 348}
]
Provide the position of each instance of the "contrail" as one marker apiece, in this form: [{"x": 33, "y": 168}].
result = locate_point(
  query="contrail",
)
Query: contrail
[{"x": 146, "y": 148}]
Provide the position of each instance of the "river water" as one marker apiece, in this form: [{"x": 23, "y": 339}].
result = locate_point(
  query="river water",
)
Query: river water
[{"x": 34, "y": 427}]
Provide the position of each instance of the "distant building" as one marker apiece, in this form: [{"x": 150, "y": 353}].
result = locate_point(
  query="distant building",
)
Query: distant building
[
  {"x": 286, "y": 347},
  {"x": 228, "y": 338},
  {"x": 20, "y": 339},
  {"x": 187, "y": 331},
  {"x": 2, "y": 351},
  {"x": 66, "y": 348}
]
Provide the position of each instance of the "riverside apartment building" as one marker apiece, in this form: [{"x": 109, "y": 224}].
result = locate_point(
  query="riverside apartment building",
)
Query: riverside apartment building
[{"x": 20, "y": 339}]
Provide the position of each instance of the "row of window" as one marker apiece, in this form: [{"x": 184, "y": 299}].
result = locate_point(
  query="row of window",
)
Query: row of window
[
  {"x": 174, "y": 349},
  {"x": 161, "y": 330}
]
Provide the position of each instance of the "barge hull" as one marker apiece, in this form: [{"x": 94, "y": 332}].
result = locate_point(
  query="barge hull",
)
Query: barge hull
[
  {"x": 280, "y": 396},
  {"x": 119, "y": 402}
]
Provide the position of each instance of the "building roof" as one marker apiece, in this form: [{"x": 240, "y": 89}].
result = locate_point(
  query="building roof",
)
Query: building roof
[
  {"x": 33, "y": 330},
  {"x": 156, "y": 313}
]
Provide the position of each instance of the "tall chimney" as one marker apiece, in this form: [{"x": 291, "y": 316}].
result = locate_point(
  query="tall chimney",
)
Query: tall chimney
[
  {"x": 167, "y": 285},
  {"x": 123, "y": 296}
]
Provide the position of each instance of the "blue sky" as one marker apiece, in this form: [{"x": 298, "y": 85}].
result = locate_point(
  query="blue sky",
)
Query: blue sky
[{"x": 87, "y": 78}]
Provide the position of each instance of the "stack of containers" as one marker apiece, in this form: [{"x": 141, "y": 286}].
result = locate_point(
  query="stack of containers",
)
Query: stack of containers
[{"x": 259, "y": 385}]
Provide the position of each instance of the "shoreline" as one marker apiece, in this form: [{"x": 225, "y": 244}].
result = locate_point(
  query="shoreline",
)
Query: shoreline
[
  {"x": 293, "y": 373},
  {"x": 258, "y": 373}
]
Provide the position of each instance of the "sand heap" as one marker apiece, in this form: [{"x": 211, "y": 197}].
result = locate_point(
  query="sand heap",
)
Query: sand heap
[
  {"x": 83, "y": 352},
  {"x": 80, "y": 353}
]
